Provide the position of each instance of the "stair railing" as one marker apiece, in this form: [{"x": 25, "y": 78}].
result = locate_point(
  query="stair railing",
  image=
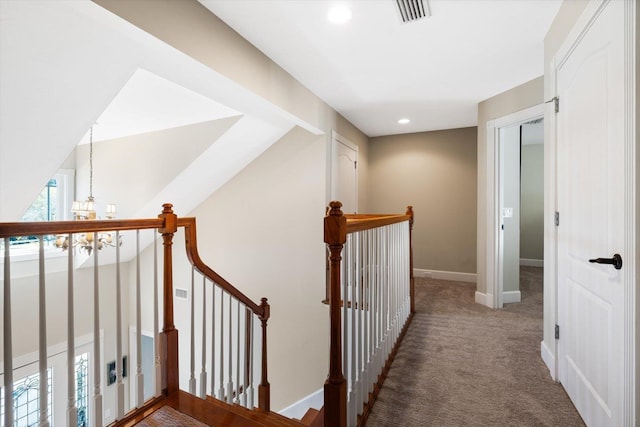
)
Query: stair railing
[
  {"x": 241, "y": 349},
  {"x": 371, "y": 305}
]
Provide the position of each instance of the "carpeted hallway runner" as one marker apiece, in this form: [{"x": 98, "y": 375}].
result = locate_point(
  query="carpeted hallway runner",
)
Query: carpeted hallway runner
[
  {"x": 169, "y": 417},
  {"x": 463, "y": 364}
]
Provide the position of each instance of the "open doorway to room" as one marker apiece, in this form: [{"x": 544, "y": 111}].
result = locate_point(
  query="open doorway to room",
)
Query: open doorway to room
[
  {"x": 521, "y": 153},
  {"x": 518, "y": 223}
]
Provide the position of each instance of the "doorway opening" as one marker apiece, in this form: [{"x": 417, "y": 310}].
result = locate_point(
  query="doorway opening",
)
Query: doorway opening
[
  {"x": 504, "y": 137},
  {"x": 521, "y": 204}
]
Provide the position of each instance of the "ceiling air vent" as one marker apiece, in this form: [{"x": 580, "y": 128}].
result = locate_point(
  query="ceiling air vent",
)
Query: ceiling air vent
[{"x": 412, "y": 10}]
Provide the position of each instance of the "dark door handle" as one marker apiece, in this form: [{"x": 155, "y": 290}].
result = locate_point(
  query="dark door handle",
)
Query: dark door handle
[{"x": 616, "y": 261}]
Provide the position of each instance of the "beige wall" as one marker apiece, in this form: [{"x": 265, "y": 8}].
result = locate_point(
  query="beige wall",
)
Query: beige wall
[
  {"x": 532, "y": 202},
  {"x": 436, "y": 173},
  {"x": 521, "y": 97}
]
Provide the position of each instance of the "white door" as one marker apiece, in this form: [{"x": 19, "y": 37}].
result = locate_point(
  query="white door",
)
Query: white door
[
  {"x": 345, "y": 174},
  {"x": 591, "y": 182}
]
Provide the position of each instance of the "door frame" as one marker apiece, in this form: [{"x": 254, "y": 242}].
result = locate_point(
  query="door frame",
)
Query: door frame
[
  {"x": 336, "y": 138},
  {"x": 494, "y": 252},
  {"x": 632, "y": 196}
]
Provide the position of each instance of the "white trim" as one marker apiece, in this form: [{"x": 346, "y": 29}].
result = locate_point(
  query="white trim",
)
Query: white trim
[
  {"x": 299, "y": 409},
  {"x": 484, "y": 299},
  {"x": 528, "y": 262},
  {"x": 445, "y": 275},
  {"x": 632, "y": 217},
  {"x": 550, "y": 275},
  {"x": 509, "y": 297},
  {"x": 548, "y": 358},
  {"x": 493, "y": 277}
]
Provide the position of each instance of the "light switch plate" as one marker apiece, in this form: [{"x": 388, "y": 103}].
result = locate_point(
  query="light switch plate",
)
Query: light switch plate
[{"x": 507, "y": 212}]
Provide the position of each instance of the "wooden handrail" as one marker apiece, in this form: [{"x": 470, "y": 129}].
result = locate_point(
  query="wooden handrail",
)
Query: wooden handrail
[
  {"x": 360, "y": 222},
  {"x": 189, "y": 224},
  {"x": 10, "y": 229}
]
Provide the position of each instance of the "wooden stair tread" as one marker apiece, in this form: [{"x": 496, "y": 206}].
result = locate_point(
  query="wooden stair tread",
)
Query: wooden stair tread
[
  {"x": 314, "y": 417},
  {"x": 220, "y": 414}
]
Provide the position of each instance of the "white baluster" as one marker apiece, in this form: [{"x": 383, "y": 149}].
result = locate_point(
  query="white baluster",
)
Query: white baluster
[
  {"x": 345, "y": 323},
  {"x": 156, "y": 323},
  {"x": 357, "y": 308},
  {"x": 247, "y": 360},
  {"x": 345, "y": 276},
  {"x": 371, "y": 347},
  {"x": 139, "y": 375},
  {"x": 97, "y": 395},
  {"x": 237, "y": 399},
  {"x": 8, "y": 341},
  {"x": 192, "y": 366},
  {"x": 353, "y": 395},
  {"x": 230, "y": 373},
  {"x": 221, "y": 389},
  {"x": 203, "y": 372},
  {"x": 72, "y": 409},
  {"x": 42, "y": 333},
  {"x": 250, "y": 355},
  {"x": 119, "y": 366},
  {"x": 213, "y": 339}
]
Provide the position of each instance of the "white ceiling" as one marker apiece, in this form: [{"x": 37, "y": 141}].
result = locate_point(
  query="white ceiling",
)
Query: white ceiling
[
  {"x": 375, "y": 69},
  {"x": 149, "y": 103}
]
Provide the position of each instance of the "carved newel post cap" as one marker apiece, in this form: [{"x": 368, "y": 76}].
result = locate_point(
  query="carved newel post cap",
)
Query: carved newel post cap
[
  {"x": 167, "y": 208},
  {"x": 335, "y": 208}
]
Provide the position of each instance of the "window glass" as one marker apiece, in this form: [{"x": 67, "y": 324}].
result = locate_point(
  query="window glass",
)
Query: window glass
[
  {"x": 26, "y": 400},
  {"x": 52, "y": 204}
]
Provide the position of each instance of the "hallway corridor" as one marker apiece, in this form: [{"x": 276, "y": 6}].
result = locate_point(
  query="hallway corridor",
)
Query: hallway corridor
[{"x": 463, "y": 364}]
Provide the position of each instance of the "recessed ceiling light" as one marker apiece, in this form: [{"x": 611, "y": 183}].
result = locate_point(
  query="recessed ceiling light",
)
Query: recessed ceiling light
[
  {"x": 403, "y": 121},
  {"x": 339, "y": 14}
]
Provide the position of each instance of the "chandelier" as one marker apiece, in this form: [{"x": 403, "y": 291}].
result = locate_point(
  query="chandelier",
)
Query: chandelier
[{"x": 85, "y": 211}]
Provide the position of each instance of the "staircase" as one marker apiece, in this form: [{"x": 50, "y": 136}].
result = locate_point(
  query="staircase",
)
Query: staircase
[
  {"x": 369, "y": 291},
  {"x": 215, "y": 413}
]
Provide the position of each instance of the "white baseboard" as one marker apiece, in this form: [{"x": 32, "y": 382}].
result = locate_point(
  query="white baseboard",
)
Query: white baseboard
[
  {"x": 445, "y": 275},
  {"x": 532, "y": 262},
  {"x": 484, "y": 299},
  {"x": 297, "y": 410},
  {"x": 548, "y": 359},
  {"x": 511, "y": 296}
]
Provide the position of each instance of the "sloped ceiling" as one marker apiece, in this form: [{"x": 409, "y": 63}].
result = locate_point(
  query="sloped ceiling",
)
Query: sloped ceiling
[{"x": 64, "y": 66}]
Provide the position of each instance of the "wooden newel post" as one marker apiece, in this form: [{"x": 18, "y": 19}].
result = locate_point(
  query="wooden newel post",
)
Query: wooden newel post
[
  {"x": 264, "y": 389},
  {"x": 169, "y": 330},
  {"x": 412, "y": 291},
  {"x": 335, "y": 387}
]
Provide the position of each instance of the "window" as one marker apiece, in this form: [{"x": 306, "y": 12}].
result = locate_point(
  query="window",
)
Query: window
[
  {"x": 26, "y": 395},
  {"x": 52, "y": 204},
  {"x": 82, "y": 389},
  {"x": 26, "y": 400}
]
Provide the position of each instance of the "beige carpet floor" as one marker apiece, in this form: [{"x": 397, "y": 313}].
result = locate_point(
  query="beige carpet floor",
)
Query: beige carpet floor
[{"x": 463, "y": 364}]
